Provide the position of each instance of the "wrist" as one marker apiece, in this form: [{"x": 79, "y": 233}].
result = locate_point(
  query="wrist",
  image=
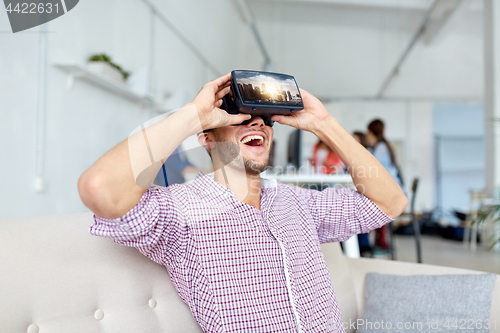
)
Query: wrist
[
  {"x": 188, "y": 119},
  {"x": 324, "y": 128}
]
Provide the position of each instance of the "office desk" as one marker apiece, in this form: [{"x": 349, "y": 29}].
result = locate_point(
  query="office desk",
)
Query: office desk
[{"x": 351, "y": 246}]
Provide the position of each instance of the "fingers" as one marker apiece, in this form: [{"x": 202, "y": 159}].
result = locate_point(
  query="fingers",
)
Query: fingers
[
  {"x": 215, "y": 85},
  {"x": 223, "y": 92},
  {"x": 309, "y": 98},
  {"x": 218, "y": 89},
  {"x": 226, "y": 85},
  {"x": 285, "y": 120},
  {"x": 238, "y": 118},
  {"x": 304, "y": 94},
  {"x": 222, "y": 80},
  {"x": 214, "y": 90}
]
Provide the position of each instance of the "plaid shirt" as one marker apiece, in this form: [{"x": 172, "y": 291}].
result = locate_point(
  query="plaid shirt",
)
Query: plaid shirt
[{"x": 241, "y": 269}]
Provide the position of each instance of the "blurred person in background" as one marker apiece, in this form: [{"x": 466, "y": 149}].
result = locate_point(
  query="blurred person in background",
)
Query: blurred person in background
[
  {"x": 324, "y": 160},
  {"x": 361, "y": 138},
  {"x": 382, "y": 150}
]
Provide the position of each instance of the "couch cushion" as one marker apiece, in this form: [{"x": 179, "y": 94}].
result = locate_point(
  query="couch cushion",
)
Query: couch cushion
[{"x": 427, "y": 303}]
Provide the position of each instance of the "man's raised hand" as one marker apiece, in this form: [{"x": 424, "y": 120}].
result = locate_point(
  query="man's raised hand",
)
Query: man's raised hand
[
  {"x": 307, "y": 119},
  {"x": 209, "y": 100}
]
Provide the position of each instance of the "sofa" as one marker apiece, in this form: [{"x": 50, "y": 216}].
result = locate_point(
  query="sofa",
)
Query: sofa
[{"x": 56, "y": 277}]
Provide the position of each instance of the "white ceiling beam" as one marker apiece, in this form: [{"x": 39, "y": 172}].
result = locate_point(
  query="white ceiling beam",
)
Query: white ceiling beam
[
  {"x": 439, "y": 17},
  {"x": 390, "y": 4},
  {"x": 421, "y": 30},
  {"x": 248, "y": 18},
  {"x": 245, "y": 11}
]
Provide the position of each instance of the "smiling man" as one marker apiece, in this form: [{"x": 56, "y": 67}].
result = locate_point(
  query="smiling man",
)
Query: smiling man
[{"x": 243, "y": 252}]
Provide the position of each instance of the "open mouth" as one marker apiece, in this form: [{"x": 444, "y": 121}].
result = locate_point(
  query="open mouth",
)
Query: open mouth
[{"x": 253, "y": 140}]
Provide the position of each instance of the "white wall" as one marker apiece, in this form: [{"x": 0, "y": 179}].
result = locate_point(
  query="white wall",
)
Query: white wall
[
  {"x": 86, "y": 121},
  {"x": 459, "y": 132}
]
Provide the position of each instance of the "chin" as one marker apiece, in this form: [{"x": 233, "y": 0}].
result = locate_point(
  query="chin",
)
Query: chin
[{"x": 256, "y": 167}]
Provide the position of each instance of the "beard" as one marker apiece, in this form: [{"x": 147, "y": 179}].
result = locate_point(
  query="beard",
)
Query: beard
[
  {"x": 255, "y": 168},
  {"x": 229, "y": 152}
]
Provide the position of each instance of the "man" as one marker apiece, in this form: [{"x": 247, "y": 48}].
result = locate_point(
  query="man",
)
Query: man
[{"x": 243, "y": 253}]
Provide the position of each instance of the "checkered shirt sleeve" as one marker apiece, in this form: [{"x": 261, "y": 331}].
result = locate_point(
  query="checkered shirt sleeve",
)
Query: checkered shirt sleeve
[
  {"x": 155, "y": 226},
  {"x": 339, "y": 214}
]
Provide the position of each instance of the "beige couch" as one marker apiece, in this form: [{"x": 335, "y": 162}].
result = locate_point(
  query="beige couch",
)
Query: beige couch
[{"x": 56, "y": 277}]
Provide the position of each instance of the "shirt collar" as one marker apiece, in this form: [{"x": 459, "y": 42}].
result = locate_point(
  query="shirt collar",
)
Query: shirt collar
[
  {"x": 212, "y": 190},
  {"x": 268, "y": 183},
  {"x": 265, "y": 183}
]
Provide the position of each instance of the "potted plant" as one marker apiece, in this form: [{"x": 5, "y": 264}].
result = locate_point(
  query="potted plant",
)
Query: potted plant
[
  {"x": 102, "y": 64},
  {"x": 489, "y": 212},
  {"x": 486, "y": 213}
]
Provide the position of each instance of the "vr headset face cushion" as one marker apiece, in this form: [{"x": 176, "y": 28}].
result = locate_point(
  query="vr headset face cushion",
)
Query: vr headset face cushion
[{"x": 267, "y": 121}]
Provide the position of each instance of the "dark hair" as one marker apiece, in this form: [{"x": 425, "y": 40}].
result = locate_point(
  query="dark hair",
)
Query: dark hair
[
  {"x": 377, "y": 128},
  {"x": 362, "y": 138}
]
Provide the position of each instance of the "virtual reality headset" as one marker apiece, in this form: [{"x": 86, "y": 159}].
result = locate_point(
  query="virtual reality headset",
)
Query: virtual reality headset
[{"x": 262, "y": 94}]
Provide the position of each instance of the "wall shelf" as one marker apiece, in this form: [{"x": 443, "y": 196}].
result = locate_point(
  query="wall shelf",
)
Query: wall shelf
[{"x": 82, "y": 73}]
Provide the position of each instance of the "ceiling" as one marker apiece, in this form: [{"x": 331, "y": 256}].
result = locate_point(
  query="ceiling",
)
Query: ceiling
[{"x": 347, "y": 48}]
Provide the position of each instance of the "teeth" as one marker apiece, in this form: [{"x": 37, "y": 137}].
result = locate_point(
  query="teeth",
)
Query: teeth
[{"x": 253, "y": 137}]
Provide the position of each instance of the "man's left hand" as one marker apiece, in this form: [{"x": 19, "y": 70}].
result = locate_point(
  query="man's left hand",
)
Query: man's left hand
[{"x": 307, "y": 119}]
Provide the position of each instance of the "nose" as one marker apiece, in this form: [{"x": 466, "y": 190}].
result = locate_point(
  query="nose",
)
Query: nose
[{"x": 256, "y": 122}]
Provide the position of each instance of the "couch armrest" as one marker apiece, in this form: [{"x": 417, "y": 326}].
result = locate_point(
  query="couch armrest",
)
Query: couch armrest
[{"x": 360, "y": 266}]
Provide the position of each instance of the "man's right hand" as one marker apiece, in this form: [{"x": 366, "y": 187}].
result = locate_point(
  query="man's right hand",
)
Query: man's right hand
[{"x": 209, "y": 100}]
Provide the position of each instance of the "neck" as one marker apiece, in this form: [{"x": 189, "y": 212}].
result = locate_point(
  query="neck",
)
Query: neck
[{"x": 245, "y": 186}]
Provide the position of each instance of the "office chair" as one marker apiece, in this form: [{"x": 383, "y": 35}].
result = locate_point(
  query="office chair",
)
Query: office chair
[
  {"x": 416, "y": 227},
  {"x": 416, "y": 224}
]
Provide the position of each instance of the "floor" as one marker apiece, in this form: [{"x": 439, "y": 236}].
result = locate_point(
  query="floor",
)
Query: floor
[{"x": 440, "y": 251}]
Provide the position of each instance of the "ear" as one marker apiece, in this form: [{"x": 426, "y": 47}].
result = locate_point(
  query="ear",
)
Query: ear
[{"x": 204, "y": 141}]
